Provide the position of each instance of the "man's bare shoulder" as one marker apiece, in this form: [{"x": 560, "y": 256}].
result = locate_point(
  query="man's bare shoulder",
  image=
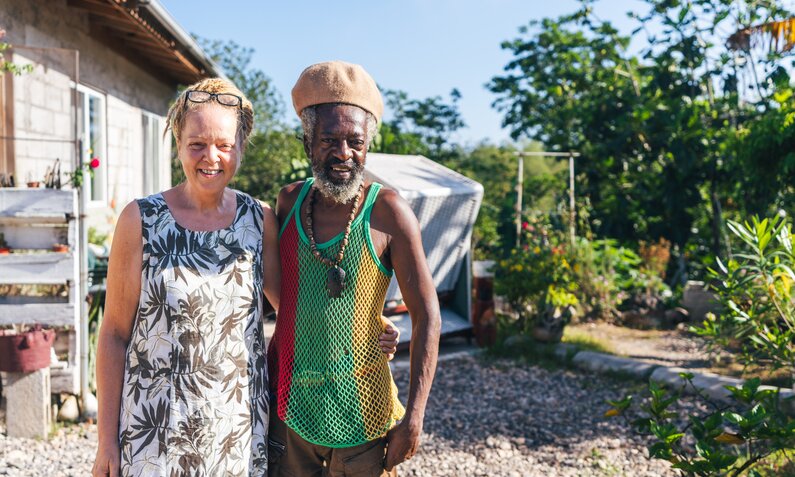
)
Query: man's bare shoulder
[
  {"x": 287, "y": 197},
  {"x": 291, "y": 190},
  {"x": 392, "y": 212}
]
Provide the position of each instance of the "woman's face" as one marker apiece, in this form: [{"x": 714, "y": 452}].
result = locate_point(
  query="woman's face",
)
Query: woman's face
[{"x": 208, "y": 147}]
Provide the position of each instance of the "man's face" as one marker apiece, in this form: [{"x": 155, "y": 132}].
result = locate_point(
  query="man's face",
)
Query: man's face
[{"x": 338, "y": 150}]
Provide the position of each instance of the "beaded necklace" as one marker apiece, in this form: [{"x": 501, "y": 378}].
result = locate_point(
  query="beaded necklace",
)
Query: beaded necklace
[{"x": 335, "y": 281}]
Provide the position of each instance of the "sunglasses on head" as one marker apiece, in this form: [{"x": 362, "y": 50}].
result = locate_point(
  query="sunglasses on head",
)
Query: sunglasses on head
[{"x": 226, "y": 99}]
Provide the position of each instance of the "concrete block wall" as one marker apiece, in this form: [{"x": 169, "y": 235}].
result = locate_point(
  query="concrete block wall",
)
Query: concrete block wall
[{"x": 42, "y": 110}]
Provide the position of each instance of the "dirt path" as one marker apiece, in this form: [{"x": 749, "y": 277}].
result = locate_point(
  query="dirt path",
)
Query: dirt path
[{"x": 664, "y": 347}]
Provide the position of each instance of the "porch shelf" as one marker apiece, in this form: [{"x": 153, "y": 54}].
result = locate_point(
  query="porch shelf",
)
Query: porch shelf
[
  {"x": 45, "y": 268},
  {"x": 50, "y": 314}
]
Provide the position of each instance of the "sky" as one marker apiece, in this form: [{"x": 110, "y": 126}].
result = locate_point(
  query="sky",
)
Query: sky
[{"x": 423, "y": 47}]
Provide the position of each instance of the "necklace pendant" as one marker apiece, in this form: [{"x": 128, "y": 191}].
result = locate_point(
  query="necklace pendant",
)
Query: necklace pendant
[{"x": 335, "y": 282}]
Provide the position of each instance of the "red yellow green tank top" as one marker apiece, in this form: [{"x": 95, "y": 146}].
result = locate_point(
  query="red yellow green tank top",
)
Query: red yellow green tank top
[{"x": 333, "y": 384}]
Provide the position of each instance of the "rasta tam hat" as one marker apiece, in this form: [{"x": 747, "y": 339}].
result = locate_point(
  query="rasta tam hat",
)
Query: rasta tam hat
[{"x": 337, "y": 82}]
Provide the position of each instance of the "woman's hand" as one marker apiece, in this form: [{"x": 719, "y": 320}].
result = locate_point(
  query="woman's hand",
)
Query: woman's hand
[
  {"x": 107, "y": 461},
  {"x": 389, "y": 339}
]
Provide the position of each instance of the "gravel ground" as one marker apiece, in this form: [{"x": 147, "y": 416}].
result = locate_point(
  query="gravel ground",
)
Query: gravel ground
[
  {"x": 506, "y": 419},
  {"x": 484, "y": 418}
]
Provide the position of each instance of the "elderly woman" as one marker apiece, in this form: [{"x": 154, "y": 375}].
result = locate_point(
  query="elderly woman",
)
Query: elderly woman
[{"x": 181, "y": 360}]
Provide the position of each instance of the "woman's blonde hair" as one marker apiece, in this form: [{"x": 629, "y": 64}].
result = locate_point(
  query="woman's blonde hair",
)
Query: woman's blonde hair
[{"x": 179, "y": 110}]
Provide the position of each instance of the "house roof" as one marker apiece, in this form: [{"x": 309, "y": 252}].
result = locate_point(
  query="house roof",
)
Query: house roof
[{"x": 145, "y": 33}]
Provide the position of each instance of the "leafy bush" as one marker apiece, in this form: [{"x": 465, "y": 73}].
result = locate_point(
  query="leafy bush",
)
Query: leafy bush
[
  {"x": 612, "y": 277},
  {"x": 538, "y": 278},
  {"x": 758, "y": 318},
  {"x": 725, "y": 439},
  {"x": 605, "y": 272},
  {"x": 755, "y": 288}
]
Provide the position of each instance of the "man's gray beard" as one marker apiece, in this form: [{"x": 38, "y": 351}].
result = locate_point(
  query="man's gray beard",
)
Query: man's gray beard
[{"x": 340, "y": 193}]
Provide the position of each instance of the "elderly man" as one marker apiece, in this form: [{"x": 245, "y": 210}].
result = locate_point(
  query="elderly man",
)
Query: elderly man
[{"x": 342, "y": 237}]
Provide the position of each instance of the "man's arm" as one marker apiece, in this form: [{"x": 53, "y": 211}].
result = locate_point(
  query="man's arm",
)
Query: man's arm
[{"x": 395, "y": 217}]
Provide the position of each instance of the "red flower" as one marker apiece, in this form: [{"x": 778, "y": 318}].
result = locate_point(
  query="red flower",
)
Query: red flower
[
  {"x": 525, "y": 225},
  {"x": 94, "y": 162}
]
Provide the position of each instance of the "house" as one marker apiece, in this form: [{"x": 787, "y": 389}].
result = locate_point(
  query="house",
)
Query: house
[
  {"x": 100, "y": 76},
  {"x": 103, "y": 75}
]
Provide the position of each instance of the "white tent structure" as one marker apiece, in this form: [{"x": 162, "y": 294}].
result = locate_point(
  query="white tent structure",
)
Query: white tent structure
[{"x": 446, "y": 204}]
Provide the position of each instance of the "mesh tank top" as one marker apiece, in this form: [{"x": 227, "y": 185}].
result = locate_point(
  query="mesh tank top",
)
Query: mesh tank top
[{"x": 333, "y": 384}]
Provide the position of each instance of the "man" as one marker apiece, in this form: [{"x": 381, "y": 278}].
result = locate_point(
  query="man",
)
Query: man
[{"x": 342, "y": 237}]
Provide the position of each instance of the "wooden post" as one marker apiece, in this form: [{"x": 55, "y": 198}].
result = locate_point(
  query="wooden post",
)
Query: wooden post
[
  {"x": 572, "y": 211},
  {"x": 572, "y": 207},
  {"x": 519, "y": 187}
]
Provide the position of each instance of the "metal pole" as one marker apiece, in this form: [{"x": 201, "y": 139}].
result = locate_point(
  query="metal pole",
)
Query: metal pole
[
  {"x": 83, "y": 238},
  {"x": 519, "y": 187},
  {"x": 572, "y": 208}
]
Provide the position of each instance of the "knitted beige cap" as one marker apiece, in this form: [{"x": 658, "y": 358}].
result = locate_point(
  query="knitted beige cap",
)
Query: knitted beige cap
[{"x": 337, "y": 82}]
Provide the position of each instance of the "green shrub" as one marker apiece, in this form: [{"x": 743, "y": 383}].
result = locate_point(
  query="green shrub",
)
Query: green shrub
[
  {"x": 757, "y": 317},
  {"x": 724, "y": 439},
  {"x": 538, "y": 278},
  {"x": 612, "y": 277},
  {"x": 755, "y": 288}
]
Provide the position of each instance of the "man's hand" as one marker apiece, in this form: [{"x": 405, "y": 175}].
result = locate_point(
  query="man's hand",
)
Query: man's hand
[
  {"x": 402, "y": 443},
  {"x": 389, "y": 339},
  {"x": 107, "y": 461}
]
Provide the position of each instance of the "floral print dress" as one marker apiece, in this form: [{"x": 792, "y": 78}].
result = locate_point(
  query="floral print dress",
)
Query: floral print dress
[{"x": 195, "y": 391}]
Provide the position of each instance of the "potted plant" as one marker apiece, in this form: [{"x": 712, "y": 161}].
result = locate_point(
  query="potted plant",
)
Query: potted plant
[
  {"x": 4, "y": 248},
  {"x": 60, "y": 248},
  {"x": 555, "y": 311},
  {"x": 25, "y": 350}
]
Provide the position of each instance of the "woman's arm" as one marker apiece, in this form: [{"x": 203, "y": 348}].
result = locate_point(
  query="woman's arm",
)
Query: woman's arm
[
  {"x": 271, "y": 264},
  {"x": 121, "y": 303}
]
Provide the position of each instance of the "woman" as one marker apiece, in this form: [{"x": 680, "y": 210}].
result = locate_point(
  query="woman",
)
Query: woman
[{"x": 181, "y": 365}]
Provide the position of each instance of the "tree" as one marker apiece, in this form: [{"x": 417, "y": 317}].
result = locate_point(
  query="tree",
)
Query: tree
[
  {"x": 661, "y": 132},
  {"x": 495, "y": 167},
  {"x": 419, "y": 126}
]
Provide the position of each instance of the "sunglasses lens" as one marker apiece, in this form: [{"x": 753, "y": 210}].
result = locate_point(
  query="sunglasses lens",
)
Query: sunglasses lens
[
  {"x": 228, "y": 99},
  {"x": 199, "y": 96}
]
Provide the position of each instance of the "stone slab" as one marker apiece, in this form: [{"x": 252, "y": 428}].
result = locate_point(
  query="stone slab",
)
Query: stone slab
[
  {"x": 28, "y": 404},
  {"x": 601, "y": 362},
  {"x": 709, "y": 384},
  {"x": 565, "y": 351}
]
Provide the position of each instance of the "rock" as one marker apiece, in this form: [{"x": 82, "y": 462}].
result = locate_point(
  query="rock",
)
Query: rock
[
  {"x": 90, "y": 406},
  {"x": 641, "y": 319},
  {"x": 69, "y": 411},
  {"x": 676, "y": 316},
  {"x": 698, "y": 300},
  {"x": 516, "y": 341}
]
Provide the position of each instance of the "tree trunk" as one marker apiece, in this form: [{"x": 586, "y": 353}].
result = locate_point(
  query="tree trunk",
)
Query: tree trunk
[{"x": 717, "y": 219}]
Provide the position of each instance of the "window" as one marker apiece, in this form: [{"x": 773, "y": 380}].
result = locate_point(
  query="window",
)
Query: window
[
  {"x": 92, "y": 135},
  {"x": 152, "y": 151}
]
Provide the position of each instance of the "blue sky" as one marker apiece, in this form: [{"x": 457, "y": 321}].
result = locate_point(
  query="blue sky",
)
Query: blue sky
[{"x": 424, "y": 47}]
